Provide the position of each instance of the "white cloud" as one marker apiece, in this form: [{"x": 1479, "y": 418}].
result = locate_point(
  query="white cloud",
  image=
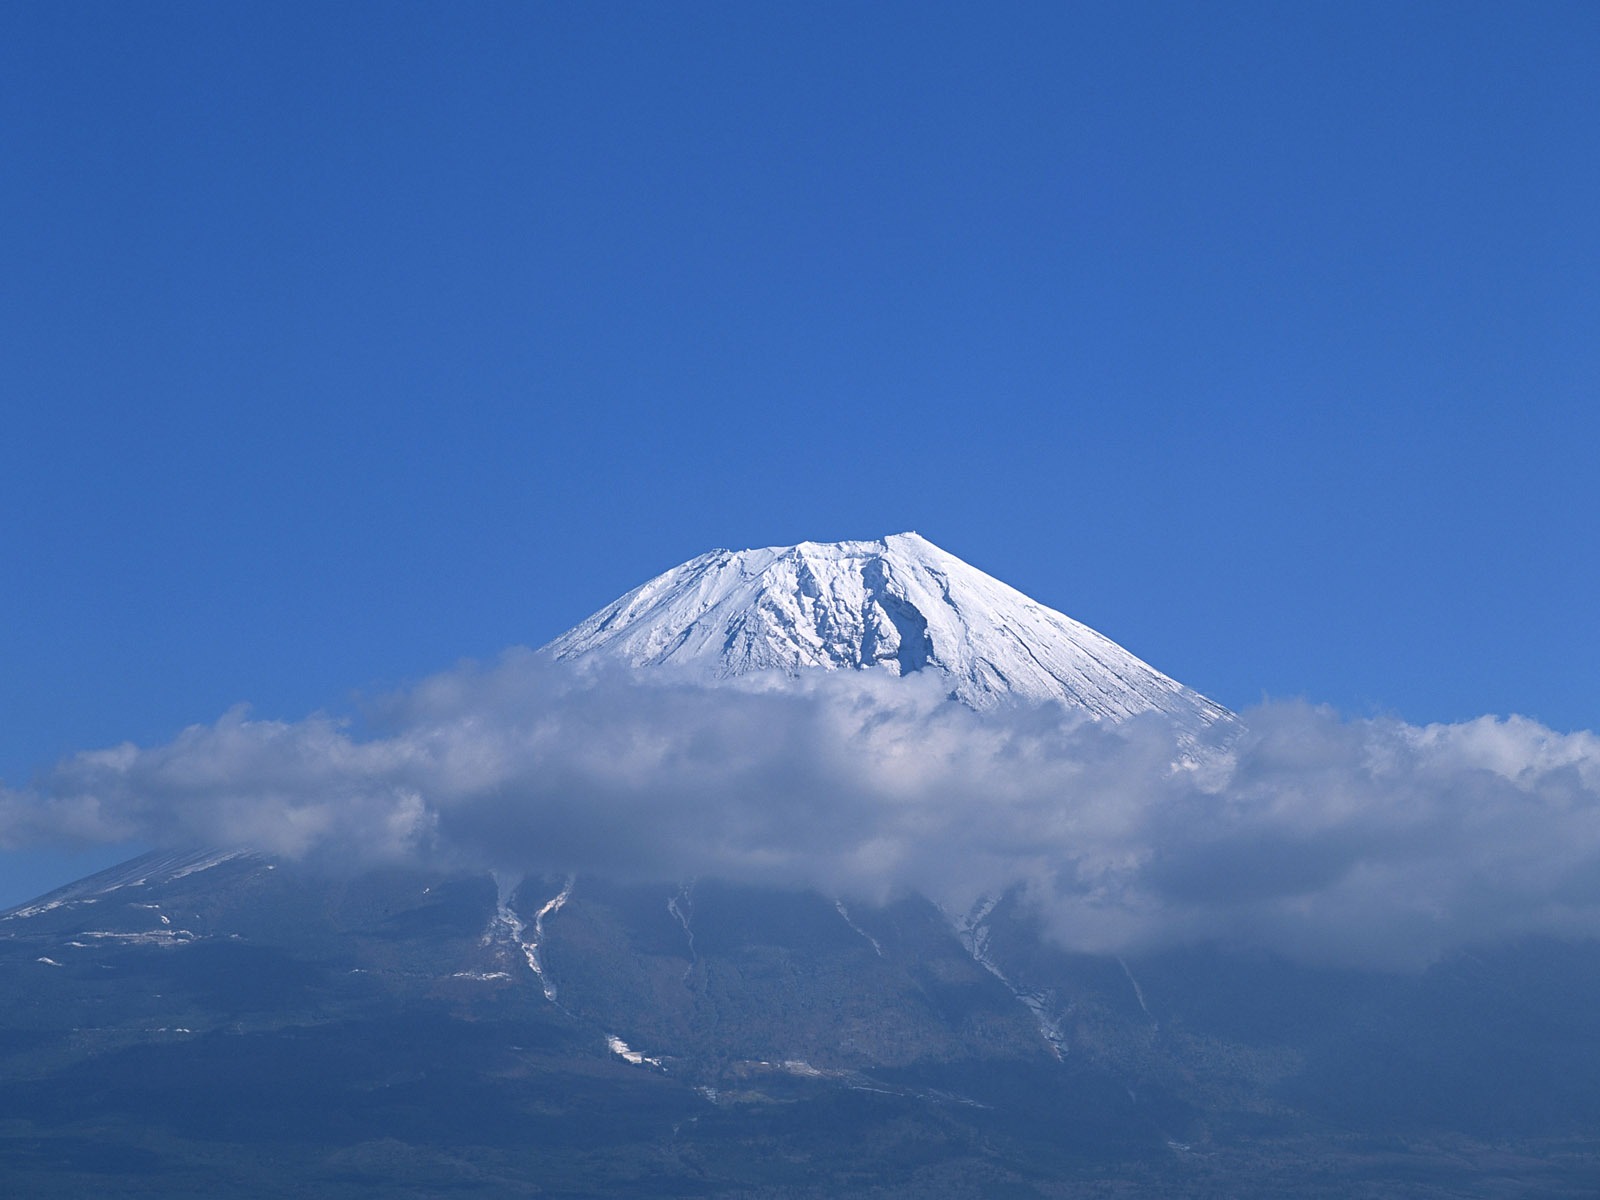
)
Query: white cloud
[{"x": 1360, "y": 841}]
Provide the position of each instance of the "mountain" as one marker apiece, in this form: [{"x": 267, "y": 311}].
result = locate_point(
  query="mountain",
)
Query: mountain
[
  {"x": 197, "y": 1023},
  {"x": 899, "y": 605}
]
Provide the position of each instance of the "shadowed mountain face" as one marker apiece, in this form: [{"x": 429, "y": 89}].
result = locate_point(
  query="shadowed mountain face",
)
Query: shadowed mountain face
[{"x": 193, "y": 1025}]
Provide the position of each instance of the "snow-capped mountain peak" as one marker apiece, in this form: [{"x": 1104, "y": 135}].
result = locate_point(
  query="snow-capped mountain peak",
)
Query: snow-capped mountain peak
[{"x": 899, "y": 604}]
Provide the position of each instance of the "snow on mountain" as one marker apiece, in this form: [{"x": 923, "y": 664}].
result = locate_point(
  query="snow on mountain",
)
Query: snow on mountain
[{"x": 900, "y": 605}]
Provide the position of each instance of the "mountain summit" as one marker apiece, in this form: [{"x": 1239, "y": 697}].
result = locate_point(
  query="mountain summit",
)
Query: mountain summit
[{"x": 899, "y": 604}]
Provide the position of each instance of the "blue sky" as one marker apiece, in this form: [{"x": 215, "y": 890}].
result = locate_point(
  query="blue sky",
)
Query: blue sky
[{"x": 341, "y": 343}]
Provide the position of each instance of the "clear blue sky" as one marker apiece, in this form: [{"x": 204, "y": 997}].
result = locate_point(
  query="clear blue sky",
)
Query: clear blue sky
[{"x": 340, "y": 342}]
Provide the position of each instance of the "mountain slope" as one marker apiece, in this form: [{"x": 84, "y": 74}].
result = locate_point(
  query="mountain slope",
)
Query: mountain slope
[
  {"x": 900, "y": 605},
  {"x": 238, "y": 1025}
]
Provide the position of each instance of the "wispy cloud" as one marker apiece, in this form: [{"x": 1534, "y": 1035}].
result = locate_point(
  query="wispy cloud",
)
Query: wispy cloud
[{"x": 1366, "y": 841}]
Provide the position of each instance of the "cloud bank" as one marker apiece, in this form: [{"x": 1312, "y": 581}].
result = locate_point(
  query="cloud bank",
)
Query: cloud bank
[{"x": 1369, "y": 842}]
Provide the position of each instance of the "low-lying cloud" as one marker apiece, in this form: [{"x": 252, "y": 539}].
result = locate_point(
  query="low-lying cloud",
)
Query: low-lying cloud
[{"x": 1373, "y": 842}]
